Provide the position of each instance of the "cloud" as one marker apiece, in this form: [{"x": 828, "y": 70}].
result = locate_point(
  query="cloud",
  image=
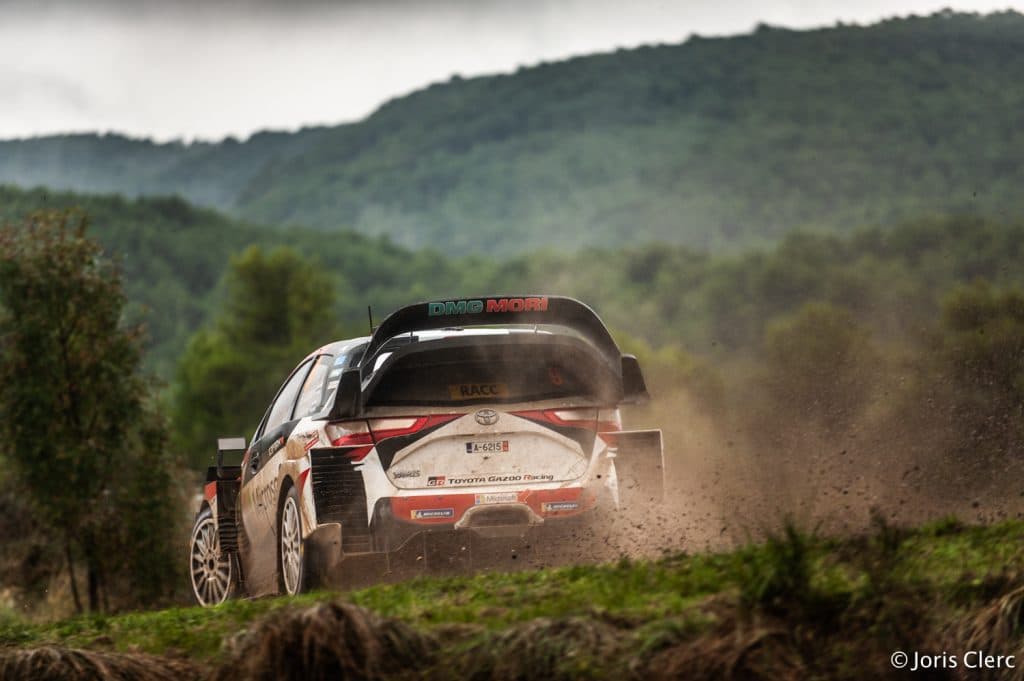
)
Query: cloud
[{"x": 209, "y": 68}]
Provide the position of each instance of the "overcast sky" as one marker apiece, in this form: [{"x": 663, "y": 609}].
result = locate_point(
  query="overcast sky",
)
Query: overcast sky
[{"x": 211, "y": 68}]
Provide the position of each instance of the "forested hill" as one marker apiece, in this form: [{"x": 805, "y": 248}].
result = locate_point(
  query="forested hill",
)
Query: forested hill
[
  {"x": 174, "y": 255},
  {"x": 713, "y": 144}
]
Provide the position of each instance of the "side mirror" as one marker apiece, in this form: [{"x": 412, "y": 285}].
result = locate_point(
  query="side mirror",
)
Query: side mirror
[
  {"x": 227, "y": 444},
  {"x": 347, "y": 398},
  {"x": 634, "y": 389}
]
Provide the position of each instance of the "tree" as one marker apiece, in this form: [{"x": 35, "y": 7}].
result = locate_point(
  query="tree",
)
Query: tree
[
  {"x": 278, "y": 307},
  {"x": 75, "y": 424}
]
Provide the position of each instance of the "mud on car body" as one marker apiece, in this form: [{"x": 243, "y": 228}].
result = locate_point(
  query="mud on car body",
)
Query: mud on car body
[{"x": 458, "y": 426}]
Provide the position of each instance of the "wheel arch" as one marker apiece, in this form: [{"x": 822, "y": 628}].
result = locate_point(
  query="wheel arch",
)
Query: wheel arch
[{"x": 286, "y": 485}]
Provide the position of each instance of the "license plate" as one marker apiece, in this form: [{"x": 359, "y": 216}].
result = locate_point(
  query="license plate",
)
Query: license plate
[{"x": 487, "y": 446}]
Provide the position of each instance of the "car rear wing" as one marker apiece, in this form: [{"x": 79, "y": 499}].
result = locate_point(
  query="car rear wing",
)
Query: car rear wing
[{"x": 491, "y": 311}]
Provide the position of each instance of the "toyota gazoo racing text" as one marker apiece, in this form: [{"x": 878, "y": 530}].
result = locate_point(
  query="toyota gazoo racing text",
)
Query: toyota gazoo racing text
[{"x": 459, "y": 426}]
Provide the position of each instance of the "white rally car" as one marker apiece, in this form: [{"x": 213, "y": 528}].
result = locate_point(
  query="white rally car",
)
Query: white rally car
[{"x": 459, "y": 426}]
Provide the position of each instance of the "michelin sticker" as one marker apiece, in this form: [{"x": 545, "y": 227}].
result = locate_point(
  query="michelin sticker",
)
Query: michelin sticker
[
  {"x": 555, "y": 506},
  {"x": 432, "y": 513}
]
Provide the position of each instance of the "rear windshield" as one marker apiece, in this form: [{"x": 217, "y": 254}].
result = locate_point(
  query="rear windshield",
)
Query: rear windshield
[{"x": 495, "y": 370}]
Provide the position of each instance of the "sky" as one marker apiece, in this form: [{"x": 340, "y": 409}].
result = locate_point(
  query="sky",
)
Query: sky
[{"x": 207, "y": 69}]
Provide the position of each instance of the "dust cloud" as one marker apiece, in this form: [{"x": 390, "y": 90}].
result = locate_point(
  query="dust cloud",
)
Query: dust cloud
[{"x": 730, "y": 480}]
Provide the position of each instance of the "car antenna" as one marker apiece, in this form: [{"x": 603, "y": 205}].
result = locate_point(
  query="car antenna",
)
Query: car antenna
[{"x": 369, "y": 313}]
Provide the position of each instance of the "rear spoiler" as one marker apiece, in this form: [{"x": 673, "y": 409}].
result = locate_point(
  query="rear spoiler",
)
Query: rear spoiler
[
  {"x": 496, "y": 310},
  {"x": 486, "y": 311}
]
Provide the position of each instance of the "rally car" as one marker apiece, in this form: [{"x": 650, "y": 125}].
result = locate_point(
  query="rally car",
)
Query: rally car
[{"x": 458, "y": 425}]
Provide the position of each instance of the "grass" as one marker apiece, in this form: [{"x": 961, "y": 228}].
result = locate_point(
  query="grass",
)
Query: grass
[
  {"x": 634, "y": 591},
  {"x": 828, "y": 584}
]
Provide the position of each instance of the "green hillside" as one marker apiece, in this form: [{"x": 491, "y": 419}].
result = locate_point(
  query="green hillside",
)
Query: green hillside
[
  {"x": 204, "y": 173},
  {"x": 714, "y": 144},
  {"x": 174, "y": 254},
  {"x": 893, "y": 280}
]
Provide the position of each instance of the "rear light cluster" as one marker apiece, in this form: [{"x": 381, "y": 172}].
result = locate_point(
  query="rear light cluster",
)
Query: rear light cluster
[
  {"x": 385, "y": 428},
  {"x": 363, "y": 435},
  {"x": 351, "y": 434},
  {"x": 591, "y": 419}
]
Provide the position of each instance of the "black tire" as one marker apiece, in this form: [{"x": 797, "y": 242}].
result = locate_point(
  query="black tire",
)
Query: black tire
[
  {"x": 213, "y": 575},
  {"x": 292, "y": 563}
]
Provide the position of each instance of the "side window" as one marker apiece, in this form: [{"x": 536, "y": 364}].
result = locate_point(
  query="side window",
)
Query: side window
[
  {"x": 313, "y": 394},
  {"x": 334, "y": 375},
  {"x": 282, "y": 409}
]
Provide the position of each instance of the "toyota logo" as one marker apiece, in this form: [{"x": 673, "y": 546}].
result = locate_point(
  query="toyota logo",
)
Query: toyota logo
[{"x": 487, "y": 417}]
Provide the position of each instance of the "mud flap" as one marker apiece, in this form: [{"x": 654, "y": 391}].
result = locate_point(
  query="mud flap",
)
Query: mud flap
[
  {"x": 639, "y": 467},
  {"x": 226, "y": 483},
  {"x": 323, "y": 552}
]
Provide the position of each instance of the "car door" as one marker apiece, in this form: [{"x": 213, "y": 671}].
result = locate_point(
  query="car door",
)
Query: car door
[{"x": 260, "y": 486}]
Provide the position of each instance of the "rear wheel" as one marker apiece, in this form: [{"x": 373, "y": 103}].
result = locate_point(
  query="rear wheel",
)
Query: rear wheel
[
  {"x": 211, "y": 571},
  {"x": 291, "y": 550}
]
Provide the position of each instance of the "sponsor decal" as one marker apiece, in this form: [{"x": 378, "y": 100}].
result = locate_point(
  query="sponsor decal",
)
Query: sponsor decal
[
  {"x": 475, "y": 480},
  {"x": 554, "y": 506},
  {"x": 435, "y": 481},
  {"x": 481, "y": 479},
  {"x": 497, "y": 498},
  {"x": 265, "y": 498},
  {"x": 407, "y": 474},
  {"x": 476, "y": 306},
  {"x": 431, "y": 513},
  {"x": 517, "y": 304},
  {"x": 275, "y": 447},
  {"x": 314, "y": 439},
  {"x": 473, "y": 391},
  {"x": 487, "y": 447},
  {"x": 450, "y": 307}
]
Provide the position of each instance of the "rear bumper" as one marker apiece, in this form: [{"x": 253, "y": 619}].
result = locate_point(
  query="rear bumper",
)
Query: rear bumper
[
  {"x": 485, "y": 514},
  {"x": 446, "y": 532},
  {"x": 458, "y": 531},
  {"x": 411, "y": 550}
]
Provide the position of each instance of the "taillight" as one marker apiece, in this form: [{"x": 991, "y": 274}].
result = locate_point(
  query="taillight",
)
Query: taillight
[
  {"x": 355, "y": 434},
  {"x": 385, "y": 428},
  {"x": 580, "y": 417},
  {"x": 611, "y": 419},
  {"x": 588, "y": 418},
  {"x": 362, "y": 435}
]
